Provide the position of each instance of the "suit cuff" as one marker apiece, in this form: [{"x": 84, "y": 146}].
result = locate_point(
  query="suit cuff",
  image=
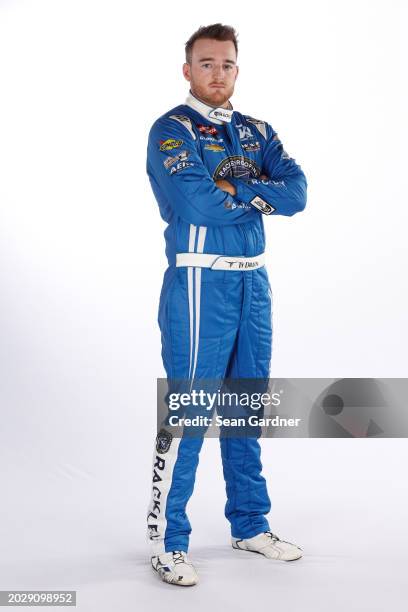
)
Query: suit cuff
[{"x": 249, "y": 196}]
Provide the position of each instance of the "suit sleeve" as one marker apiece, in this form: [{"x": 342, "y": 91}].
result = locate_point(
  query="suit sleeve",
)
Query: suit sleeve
[
  {"x": 179, "y": 177},
  {"x": 284, "y": 192}
]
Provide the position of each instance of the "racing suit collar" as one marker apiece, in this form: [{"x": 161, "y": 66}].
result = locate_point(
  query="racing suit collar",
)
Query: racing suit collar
[{"x": 216, "y": 115}]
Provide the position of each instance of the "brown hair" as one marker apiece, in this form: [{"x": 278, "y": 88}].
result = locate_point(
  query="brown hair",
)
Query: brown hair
[{"x": 216, "y": 31}]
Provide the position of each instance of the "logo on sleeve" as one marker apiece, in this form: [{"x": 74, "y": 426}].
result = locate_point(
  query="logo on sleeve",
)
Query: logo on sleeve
[
  {"x": 180, "y": 166},
  {"x": 264, "y": 207},
  {"x": 170, "y": 143},
  {"x": 163, "y": 441},
  {"x": 169, "y": 161}
]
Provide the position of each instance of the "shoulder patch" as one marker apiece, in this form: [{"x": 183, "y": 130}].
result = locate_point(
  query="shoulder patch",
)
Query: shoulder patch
[
  {"x": 169, "y": 143},
  {"x": 260, "y": 125},
  {"x": 186, "y": 121}
]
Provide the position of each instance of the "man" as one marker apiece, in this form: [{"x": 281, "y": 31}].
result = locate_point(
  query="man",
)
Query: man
[{"x": 215, "y": 173}]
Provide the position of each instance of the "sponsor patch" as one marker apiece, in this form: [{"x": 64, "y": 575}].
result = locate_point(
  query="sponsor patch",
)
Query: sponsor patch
[
  {"x": 263, "y": 206},
  {"x": 180, "y": 166},
  {"x": 163, "y": 441},
  {"x": 214, "y": 147},
  {"x": 268, "y": 181},
  {"x": 250, "y": 147},
  {"x": 233, "y": 206},
  {"x": 211, "y": 139},
  {"x": 244, "y": 131},
  {"x": 238, "y": 166},
  {"x": 170, "y": 143},
  {"x": 207, "y": 129},
  {"x": 222, "y": 114},
  {"x": 169, "y": 161}
]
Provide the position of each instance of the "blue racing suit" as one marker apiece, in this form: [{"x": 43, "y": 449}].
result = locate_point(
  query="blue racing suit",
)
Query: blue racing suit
[{"x": 215, "y": 323}]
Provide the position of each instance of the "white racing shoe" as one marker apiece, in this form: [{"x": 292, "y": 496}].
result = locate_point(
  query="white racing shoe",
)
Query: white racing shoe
[
  {"x": 270, "y": 546},
  {"x": 175, "y": 568}
]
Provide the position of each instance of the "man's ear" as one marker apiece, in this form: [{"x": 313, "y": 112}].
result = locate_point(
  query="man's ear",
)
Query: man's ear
[
  {"x": 186, "y": 71},
  {"x": 236, "y": 76}
]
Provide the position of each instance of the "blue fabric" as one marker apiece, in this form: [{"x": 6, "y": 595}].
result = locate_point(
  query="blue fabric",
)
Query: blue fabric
[
  {"x": 189, "y": 195},
  {"x": 217, "y": 324}
]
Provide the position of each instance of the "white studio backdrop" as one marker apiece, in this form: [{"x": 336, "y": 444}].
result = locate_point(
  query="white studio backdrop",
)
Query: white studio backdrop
[{"x": 82, "y": 257}]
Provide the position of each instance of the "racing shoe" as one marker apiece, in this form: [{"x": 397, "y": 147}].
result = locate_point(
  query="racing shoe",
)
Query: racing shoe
[
  {"x": 175, "y": 568},
  {"x": 269, "y": 545}
]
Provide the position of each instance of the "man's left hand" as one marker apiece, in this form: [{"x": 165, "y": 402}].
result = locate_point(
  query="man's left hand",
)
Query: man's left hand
[{"x": 226, "y": 186}]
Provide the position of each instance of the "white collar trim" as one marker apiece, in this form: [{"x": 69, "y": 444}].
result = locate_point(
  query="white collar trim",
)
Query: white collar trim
[{"x": 217, "y": 115}]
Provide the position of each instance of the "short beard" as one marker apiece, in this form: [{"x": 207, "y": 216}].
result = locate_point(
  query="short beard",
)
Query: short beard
[{"x": 216, "y": 100}]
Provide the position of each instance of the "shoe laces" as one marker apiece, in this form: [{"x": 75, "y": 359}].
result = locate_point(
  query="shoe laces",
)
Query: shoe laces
[
  {"x": 273, "y": 537},
  {"x": 178, "y": 557}
]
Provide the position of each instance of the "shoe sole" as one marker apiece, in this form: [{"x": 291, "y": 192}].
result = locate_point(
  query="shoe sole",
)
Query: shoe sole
[
  {"x": 259, "y": 553},
  {"x": 173, "y": 583}
]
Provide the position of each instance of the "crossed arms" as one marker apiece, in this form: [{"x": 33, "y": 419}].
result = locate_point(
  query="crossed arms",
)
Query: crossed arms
[{"x": 194, "y": 196}]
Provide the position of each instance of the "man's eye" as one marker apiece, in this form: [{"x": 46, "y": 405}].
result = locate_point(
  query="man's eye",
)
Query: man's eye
[
  {"x": 206, "y": 65},
  {"x": 227, "y": 67}
]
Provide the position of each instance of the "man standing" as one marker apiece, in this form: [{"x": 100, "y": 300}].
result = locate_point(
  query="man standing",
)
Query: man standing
[{"x": 215, "y": 173}]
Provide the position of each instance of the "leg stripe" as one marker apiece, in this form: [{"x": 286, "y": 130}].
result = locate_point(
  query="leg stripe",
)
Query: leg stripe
[
  {"x": 192, "y": 237},
  {"x": 163, "y": 468},
  {"x": 164, "y": 464},
  {"x": 190, "y": 313},
  {"x": 197, "y": 318},
  {"x": 191, "y": 243},
  {"x": 201, "y": 239},
  {"x": 202, "y": 232}
]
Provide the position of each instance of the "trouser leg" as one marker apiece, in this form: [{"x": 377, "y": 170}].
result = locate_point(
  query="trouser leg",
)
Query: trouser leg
[
  {"x": 247, "y": 496},
  {"x": 199, "y": 322}
]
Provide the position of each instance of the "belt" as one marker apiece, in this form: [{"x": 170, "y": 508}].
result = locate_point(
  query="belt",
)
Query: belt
[{"x": 220, "y": 262}]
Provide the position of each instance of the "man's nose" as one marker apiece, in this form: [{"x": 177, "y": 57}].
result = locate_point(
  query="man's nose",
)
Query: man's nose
[{"x": 218, "y": 71}]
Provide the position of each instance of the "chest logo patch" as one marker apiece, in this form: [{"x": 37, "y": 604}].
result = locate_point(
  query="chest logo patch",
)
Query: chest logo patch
[
  {"x": 214, "y": 147},
  {"x": 237, "y": 166},
  {"x": 251, "y": 146},
  {"x": 207, "y": 129},
  {"x": 244, "y": 131}
]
